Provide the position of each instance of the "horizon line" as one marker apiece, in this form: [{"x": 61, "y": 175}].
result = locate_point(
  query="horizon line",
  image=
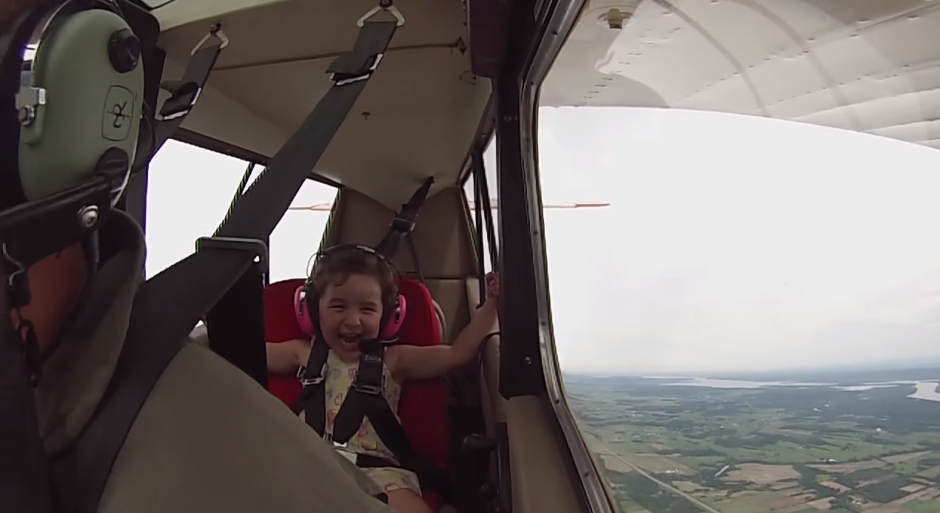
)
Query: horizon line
[{"x": 918, "y": 364}]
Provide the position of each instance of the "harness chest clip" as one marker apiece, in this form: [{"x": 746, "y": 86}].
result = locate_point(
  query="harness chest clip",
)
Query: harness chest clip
[
  {"x": 367, "y": 388},
  {"x": 307, "y": 381},
  {"x": 369, "y": 379}
]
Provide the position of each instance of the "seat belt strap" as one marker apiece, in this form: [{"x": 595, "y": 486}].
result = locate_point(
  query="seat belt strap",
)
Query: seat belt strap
[
  {"x": 235, "y": 325},
  {"x": 185, "y": 92},
  {"x": 366, "y": 399},
  {"x": 189, "y": 288},
  {"x": 312, "y": 398},
  {"x": 392, "y": 434},
  {"x": 368, "y": 383},
  {"x": 404, "y": 222}
]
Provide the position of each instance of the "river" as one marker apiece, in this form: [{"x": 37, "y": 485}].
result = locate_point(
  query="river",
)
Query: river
[{"x": 924, "y": 390}]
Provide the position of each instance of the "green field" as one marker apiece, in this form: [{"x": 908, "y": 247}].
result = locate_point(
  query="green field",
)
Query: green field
[{"x": 683, "y": 449}]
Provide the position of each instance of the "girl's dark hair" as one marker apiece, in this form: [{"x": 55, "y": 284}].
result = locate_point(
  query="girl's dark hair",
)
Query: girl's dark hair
[{"x": 335, "y": 266}]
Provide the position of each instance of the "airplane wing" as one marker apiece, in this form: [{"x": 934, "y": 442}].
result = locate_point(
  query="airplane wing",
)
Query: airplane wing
[{"x": 866, "y": 66}]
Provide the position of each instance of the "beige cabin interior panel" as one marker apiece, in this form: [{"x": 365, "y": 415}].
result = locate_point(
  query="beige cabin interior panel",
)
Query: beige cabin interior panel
[
  {"x": 417, "y": 117},
  {"x": 541, "y": 482},
  {"x": 540, "y": 479}
]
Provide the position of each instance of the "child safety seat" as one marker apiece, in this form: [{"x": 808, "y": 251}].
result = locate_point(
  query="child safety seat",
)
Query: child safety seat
[{"x": 423, "y": 405}]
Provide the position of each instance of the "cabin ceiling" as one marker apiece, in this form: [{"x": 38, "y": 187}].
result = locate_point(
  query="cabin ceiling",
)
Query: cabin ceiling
[
  {"x": 864, "y": 65},
  {"x": 417, "y": 117}
]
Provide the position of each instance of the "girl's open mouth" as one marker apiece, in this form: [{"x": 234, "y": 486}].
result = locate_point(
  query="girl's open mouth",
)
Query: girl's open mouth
[{"x": 350, "y": 340}]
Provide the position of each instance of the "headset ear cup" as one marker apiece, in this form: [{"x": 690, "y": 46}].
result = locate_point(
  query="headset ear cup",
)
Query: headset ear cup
[
  {"x": 91, "y": 123},
  {"x": 393, "y": 325},
  {"x": 302, "y": 311}
]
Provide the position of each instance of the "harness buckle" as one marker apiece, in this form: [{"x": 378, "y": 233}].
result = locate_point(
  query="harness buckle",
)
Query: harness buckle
[
  {"x": 368, "y": 389},
  {"x": 305, "y": 381},
  {"x": 341, "y": 79},
  {"x": 369, "y": 383}
]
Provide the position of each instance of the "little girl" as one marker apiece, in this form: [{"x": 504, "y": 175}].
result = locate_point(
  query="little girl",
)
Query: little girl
[{"x": 353, "y": 287}]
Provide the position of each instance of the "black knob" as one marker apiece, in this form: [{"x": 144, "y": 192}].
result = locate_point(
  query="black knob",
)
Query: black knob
[
  {"x": 124, "y": 50},
  {"x": 478, "y": 443}
]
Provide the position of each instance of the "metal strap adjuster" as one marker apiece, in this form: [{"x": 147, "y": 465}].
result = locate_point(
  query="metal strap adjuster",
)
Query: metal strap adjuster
[
  {"x": 384, "y": 5},
  {"x": 305, "y": 381}
]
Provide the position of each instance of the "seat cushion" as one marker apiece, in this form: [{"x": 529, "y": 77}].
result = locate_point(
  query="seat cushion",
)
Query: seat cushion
[{"x": 280, "y": 325}]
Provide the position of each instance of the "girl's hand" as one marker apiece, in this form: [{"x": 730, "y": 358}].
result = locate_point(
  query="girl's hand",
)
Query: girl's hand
[{"x": 492, "y": 285}]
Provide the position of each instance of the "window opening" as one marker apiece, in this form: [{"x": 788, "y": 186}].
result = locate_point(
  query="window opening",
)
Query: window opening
[
  {"x": 190, "y": 192},
  {"x": 478, "y": 227},
  {"x": 482, "y": 201}
]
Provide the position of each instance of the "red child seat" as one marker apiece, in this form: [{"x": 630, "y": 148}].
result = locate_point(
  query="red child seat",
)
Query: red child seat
[{"x": 423, "y": 405}]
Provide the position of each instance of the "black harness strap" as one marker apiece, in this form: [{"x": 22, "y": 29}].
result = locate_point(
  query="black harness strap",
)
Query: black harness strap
[
  {"x": 404, "y": 222},
  {"x": 312, "y": 398},
  {"x": 183, "y": 95},
  {"x": 235, "y": 325},
  {"x": 365, "y": 398},
  {"x": 192, "y": 286},
  {"x": 185, "y": 92}
]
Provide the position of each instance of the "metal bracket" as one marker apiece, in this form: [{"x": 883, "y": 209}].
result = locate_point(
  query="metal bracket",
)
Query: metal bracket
[
  {"x": 28, "y": 101},
  {"x": 364, "y": 76},
  {"x": 311, "y": 381},
  {"x": 402, "y": 224},
  {"x": 214, "y": 31},
  {"x": 368, "y": 389},
  {"x": 254, "y": 246},
  {"x": 180, "y": 111},
  {"x": 384, "y": 5}
]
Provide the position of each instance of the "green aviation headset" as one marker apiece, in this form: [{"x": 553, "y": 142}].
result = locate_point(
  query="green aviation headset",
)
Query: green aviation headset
[
  {"x": 71, "y": 106},
  {"x": 69, "y": 142}
]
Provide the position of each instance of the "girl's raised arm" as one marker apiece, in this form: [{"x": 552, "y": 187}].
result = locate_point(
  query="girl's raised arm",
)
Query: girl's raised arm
[{"x": 284, "y": 357}]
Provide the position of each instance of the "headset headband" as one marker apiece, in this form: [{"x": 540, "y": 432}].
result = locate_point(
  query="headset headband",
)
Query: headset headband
[
  {"x": 327, "y": 253},
  {"x": 306, "y": 300}
]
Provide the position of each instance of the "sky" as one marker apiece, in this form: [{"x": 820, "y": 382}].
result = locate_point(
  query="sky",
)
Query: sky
[{"x": 731, "y": 242}]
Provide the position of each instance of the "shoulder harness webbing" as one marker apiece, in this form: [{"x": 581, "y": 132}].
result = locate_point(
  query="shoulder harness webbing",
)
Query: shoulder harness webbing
[{"x": 365, "y": 398}]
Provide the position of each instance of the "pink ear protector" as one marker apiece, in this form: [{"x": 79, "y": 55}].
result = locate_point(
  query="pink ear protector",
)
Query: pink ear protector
[
  {"x": 391, "y": 326},
  {"x": 389, "y": 331}
]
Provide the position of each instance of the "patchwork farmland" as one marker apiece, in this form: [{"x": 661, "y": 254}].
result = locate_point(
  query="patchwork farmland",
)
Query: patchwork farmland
[{"x": 842, "y": 444}]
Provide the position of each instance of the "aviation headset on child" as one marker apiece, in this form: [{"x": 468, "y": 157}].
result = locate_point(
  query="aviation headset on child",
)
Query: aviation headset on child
[
  {"x": 306, "y": 302},
  {"x": 68, "y": 143}
]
